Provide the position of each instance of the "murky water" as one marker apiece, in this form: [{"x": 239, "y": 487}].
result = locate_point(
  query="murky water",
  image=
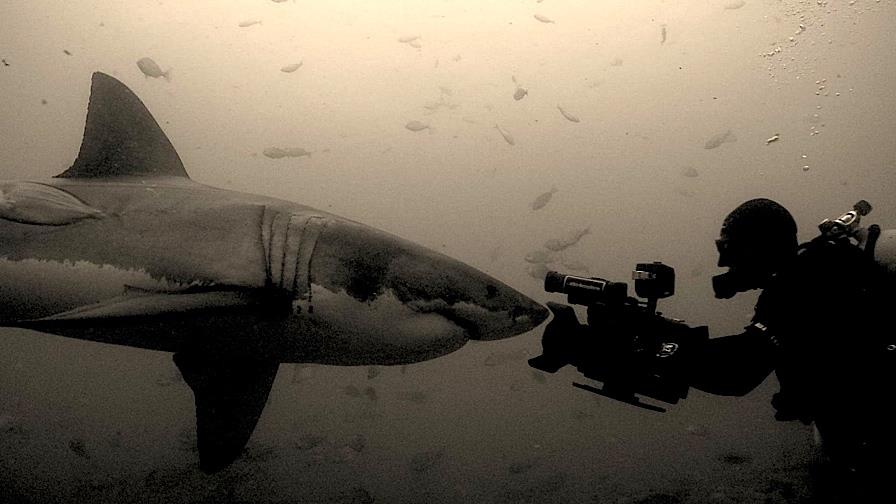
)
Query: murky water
[{"x": 648, "y": 166}]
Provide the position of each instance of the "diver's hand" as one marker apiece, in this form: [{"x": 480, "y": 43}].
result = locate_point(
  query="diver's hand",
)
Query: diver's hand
[
  {"x": 789, "y": 408},
  {"x": 558, "y": 342}
]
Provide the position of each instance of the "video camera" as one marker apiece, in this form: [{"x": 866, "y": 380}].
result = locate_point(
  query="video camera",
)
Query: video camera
[{"x": 626, "y": 344}]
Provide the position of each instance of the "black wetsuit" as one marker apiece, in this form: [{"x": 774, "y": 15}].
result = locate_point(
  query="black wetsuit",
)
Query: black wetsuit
[{"x": 818, "y": 325}]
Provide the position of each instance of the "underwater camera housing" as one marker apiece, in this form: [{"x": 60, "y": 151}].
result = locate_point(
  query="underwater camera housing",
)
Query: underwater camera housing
[{"x": 626, "y": 344}]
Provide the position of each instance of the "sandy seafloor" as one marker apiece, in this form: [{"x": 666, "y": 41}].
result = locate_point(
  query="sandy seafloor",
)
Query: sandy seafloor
[{"x": 651, "y": 83}]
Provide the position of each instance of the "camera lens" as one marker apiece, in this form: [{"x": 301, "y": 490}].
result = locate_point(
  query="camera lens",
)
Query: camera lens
[{"x": 554, "y": 281}]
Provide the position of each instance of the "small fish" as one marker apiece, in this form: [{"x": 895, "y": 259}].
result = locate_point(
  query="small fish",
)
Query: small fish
[
  {"x": 690, "y": 172},
  {"x": 42, "y": 204},
  {"x": 66, "y": 52},
  {"x": 436, "y": 105},
  {"x": 616, "y": 62},
  {"x": 416, "y": 396},
  {"x": 416, "y": 126},
  {"x": 539, "y": 256},
  {"x": 274, "y": 152},
  {"x": 572, "y": 264},
  {"x": 732, "y": 458},
  {"x": 567, "y": 115},
  {"x": 558, "y": 244},
  {"x": 425, "y": 461},
  {"x": 697, "y": 430},
  {"x": 296, "y": 152},
  {"x": 43, "y": 102},
  {"x": 408, "y": 38},
  {"x": 5, "y": 63},
  {"x": 291, "y": 68},
  {"x": 736, "y": 4},
  {"x": 278, "y": 153},
  {"x": 663, "y": 33},
  {"x": 581, "y": 414},
  {"x": 6, "y": 422},
  {"x": 370, "y": 392},
  {"x": 372, "y": 372},
  {"x": 416, "y": 44},
  {"x": 537, "y": 271},
  {"x": 539, "y": 202},
  {"x": 249, "y": 22},
  {"x": 773, "y": 138},
  {"x": 506, "y": 135},
  {"x": 77, "y": 447},
  {"x": 309, "y": 441},
  {"x": 520, "y": 467},
  {"x": 358, "y": 443},
  {"x": 718, "y": 139},
  {"x": 520, "y": 93},
  {"x": 151, "y": 69},
  {"x": 543, "y": 19},
  {"x": 278, "y": 1}
]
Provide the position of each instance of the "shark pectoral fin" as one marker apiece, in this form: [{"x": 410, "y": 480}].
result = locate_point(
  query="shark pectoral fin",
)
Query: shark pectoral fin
[
  {"x": 230, "y": 395},
  {"x": 141, "y": 303}
]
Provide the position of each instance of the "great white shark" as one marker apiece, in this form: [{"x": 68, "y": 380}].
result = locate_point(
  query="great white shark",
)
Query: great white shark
[{"x": 124, "y": 248}]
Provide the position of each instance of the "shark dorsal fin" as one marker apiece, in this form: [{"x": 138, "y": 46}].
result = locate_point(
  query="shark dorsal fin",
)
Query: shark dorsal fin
[{"x": 121, "y": 138}]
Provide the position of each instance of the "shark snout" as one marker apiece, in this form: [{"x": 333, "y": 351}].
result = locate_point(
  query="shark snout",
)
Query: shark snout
[{"x": 369, "y": 264}]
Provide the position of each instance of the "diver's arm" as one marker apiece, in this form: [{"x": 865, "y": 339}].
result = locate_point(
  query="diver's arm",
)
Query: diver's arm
[{"x": 733, "y": 365}]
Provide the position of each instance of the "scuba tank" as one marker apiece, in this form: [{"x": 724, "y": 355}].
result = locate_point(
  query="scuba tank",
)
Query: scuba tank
[
  {"x": 862, "y": 441},
  {"x": 877, "y": 243},
  {"x": 884, "y": 251}
]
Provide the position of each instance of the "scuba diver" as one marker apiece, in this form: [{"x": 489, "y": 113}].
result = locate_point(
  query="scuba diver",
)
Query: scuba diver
[{"x": 818, "y": 323}]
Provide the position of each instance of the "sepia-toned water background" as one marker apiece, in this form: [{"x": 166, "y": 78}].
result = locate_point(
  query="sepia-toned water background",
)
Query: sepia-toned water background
[{"x": 639, "y": 155}]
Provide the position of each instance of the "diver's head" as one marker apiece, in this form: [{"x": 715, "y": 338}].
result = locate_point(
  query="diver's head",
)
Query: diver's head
[{"x": 756, "y": 239}]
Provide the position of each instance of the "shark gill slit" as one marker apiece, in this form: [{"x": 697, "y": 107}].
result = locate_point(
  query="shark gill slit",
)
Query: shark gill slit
[
  {"x": 289, "y": 241},
  {"x": 302, "y": 284}
]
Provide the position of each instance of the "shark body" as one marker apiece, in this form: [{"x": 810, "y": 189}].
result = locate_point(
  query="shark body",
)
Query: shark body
[{"x": 124, "y": 248}]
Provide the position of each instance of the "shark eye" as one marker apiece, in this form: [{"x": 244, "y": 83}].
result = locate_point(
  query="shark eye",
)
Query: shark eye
[{"x": 491, "y": 291}]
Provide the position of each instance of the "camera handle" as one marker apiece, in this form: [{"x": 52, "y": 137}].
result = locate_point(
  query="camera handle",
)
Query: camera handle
[{"x": 557, "y": 353}]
